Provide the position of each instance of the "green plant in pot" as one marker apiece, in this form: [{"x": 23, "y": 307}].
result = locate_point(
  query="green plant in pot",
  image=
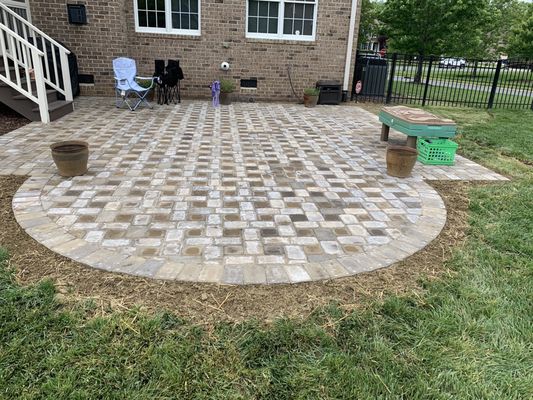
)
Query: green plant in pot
[
  {"x": 311, "y": 96},
  {"x": 227, "y": 87}
]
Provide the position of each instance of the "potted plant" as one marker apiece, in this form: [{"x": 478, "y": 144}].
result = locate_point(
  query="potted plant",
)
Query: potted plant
[
  {"x": 311, "y": 96},
  {"x": 226, "y": 88},
  {"x": 70, "y": 157}
]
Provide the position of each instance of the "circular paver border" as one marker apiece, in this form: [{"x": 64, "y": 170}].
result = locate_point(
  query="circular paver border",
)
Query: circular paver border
[{"x": 31, "y": 216}]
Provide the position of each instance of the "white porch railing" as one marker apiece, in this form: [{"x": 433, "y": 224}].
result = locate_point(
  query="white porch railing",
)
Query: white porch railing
[
  {"x": 28, "y": 59},
  {"x": 27, "y": 48}
]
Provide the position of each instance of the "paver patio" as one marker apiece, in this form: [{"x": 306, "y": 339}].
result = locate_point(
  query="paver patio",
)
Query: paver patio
[{"x": 251, "y": 193}]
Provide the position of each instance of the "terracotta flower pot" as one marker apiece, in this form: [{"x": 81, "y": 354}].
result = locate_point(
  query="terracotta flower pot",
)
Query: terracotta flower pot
[
  {"x": 225, "y": 98},
  {"x": 400, "y": 160},
  {"x": 70, "y": 157},
  {"x": 310, "y": 101}
]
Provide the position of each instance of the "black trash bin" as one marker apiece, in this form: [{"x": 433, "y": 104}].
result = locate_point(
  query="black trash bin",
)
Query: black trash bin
[
  {"x": 330, "y": 92},
  {"x": 371, "y": 71}
]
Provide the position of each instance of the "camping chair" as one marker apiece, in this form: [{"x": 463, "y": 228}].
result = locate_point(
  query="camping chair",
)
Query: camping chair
[
  {"x": 174, "y": 76},
  {"x": 127, "y": 89},
  {"x": 159, "y": 74}
]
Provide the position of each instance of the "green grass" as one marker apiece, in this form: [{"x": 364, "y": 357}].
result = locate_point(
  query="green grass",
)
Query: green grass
[
  {"x": 439, "y": 95},
  {"x": 468, "y": 336},
  {"x": 508, "y": 77},
  {"x": 500, "y": 132}
]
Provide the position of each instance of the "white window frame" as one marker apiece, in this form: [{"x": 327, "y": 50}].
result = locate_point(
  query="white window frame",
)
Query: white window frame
[
  {"x": 281, "y": 16},
  {"x": 168, "y": 19}
]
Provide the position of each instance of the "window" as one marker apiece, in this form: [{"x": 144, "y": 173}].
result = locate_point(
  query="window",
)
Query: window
[
  {"x": 282, "y": 19},
  {"x": 168, "y": 16}
]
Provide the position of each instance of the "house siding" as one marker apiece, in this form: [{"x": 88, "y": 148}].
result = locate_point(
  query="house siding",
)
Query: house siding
[{"x": 110, "y": 33}]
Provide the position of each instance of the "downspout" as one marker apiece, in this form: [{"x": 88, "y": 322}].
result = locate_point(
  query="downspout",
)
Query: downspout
[{"x": 349, "y": 49}]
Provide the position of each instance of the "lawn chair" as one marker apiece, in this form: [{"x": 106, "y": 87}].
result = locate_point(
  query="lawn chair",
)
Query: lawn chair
[
  {"x": 172, "y": 81},
  {"x": 176, "y": 76},
  {"x": 159, "y": 74},
  {"x": 127, "y": 89}
]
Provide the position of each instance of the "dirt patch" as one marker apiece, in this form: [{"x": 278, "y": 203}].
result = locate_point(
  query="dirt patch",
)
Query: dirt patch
[
  {"x": 209, "y": 303},
  {"x": 10, "y": 120}
]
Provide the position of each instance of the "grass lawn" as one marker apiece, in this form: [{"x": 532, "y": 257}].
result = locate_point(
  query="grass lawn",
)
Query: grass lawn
[
  {"x": 466, "y": 336},
  {"x": 509, "y": 77},
  {"x": 440, "y": 95}
]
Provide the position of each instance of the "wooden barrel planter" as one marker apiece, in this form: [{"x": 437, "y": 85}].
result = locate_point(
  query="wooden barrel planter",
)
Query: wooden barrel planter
[
  {"x": 400, "y": 160},
  {"x": 71, "y": 157}
]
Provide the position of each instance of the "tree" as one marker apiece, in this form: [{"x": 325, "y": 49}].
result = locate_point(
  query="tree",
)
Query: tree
[
  {"x": 430, "y": 27},
  {"x": 370, "y": 23},
  {"x": 505, "y": 17},
  {"x": 521, "y": 42},
  {"x": 435, "y": 27}
]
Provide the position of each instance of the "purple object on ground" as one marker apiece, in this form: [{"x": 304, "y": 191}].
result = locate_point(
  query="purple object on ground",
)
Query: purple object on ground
[{"x": 215, "y": 93}]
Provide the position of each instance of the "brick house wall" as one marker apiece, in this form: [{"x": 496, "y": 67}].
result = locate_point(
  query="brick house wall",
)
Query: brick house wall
[
  {"x": 110, "y": 33},
  {"x": 95, "y": 44}
]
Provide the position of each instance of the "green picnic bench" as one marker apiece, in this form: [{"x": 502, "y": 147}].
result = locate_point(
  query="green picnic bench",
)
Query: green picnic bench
[{"x": 414, "y": 122}]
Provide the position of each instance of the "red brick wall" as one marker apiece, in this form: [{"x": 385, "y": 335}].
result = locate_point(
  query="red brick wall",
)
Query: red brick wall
[{"x": 110, "y": 33}]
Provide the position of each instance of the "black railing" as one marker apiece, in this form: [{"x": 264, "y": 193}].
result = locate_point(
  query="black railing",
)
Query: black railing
[{"x": 443, "y": 81}]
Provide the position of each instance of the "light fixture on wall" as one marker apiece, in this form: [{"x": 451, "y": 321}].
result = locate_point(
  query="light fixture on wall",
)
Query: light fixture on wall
[{"x": 224, "y": 66}]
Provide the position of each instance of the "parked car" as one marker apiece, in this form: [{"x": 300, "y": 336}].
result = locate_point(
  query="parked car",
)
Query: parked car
[{"x": 452, "y": 63}]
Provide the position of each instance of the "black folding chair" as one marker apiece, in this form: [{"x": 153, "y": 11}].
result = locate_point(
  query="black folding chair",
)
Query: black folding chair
[
  {"x": 175, "y": 75},
  {"x": 159, "y": 73},
  {"x": 168, "y": 81}
]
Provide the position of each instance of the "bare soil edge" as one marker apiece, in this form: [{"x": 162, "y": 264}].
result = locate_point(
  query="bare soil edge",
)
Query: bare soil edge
[{"x": 207, "y": 304}]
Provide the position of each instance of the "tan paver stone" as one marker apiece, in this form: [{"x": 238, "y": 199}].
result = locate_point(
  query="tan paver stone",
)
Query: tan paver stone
[
  {"x": 233, "y": 275},
  {"x": 211, "y": 273},
  {"x": 297, "y": 273},
  {"x": 254, "y": 274},
  {"x": 168, "y": 271},
  {"x": 276, "y": 274},
  {"x": 189, "y": 272},
  {"x": 316, "y": 271}
]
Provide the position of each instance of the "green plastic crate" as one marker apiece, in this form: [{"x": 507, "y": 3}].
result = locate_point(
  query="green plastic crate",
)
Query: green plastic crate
[{"x": 436, "y": 151}]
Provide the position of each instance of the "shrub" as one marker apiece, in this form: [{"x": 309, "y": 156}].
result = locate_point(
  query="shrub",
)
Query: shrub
[
  {"x": 226, "y": 86},
  {"x": 311, "y": 91}
]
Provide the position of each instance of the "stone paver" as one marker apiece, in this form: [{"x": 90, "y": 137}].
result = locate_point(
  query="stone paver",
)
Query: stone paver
[{"x": 246, "y": 194}]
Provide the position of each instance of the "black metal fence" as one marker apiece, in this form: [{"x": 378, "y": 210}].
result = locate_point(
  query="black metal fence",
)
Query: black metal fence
[{"x": 443, "y": 81}]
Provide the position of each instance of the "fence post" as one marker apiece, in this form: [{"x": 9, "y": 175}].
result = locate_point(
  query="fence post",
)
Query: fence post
[
  {"x": 495, "y": 84},
  {"x": 391, "y": 78},
  {"x": 427, "y": 81}
]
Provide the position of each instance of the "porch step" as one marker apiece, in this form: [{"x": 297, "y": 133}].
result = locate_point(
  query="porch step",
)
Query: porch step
[
  {"x": 51, "y": 95},
  {"x": 57, "y": 109},
  {"x": 29, "y": 109},
  {"x": 22, "y": 82}
]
